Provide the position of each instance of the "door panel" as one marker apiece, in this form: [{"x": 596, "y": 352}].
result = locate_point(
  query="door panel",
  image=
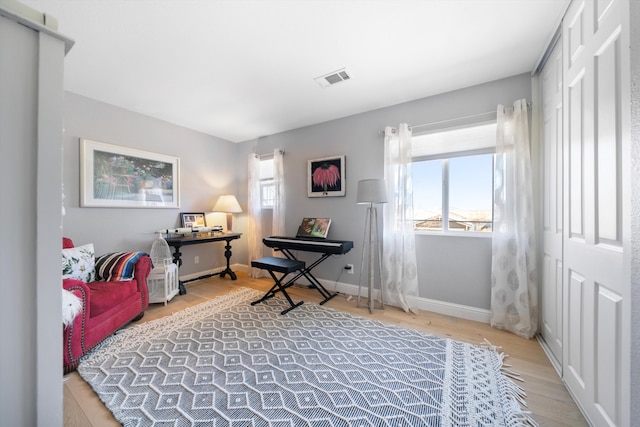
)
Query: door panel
[
  {"x": 551, "y": 290},
  {"x": 573, "y": 363},
  {"x": 594, "y": 249},
  {"x": 608, "y": 308},
  {"x": 575, "y": 158},
  {"x": 607, "y": 64}
]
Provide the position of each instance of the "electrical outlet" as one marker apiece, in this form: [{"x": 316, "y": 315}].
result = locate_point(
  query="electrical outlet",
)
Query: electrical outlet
[
  {"x": 196, "y": 259},
  {"x": 349, "y": 268}
]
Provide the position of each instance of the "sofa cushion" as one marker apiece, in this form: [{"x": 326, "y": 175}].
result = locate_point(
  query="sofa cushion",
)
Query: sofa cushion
[
  {"x": 79, "y": 263},
  {"x": 116, "y": 266},
  {"x": 105, "y": 296}
]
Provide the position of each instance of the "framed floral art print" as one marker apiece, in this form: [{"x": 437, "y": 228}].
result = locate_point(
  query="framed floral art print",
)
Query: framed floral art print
[
  {"x": 325, "y": 177},
  {"x": 116, "y": 176}
]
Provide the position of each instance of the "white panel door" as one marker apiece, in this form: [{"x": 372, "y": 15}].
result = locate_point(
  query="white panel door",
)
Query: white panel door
[
  {"x": 551, "y": 290},
  {"x": 596, "y": 207}
]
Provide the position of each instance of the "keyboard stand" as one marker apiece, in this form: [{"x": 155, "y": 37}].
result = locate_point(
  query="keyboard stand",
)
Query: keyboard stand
[{"x": 306, "y": 272}]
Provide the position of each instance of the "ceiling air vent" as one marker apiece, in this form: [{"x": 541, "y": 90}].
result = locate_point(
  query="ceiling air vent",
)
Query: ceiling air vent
[{"x": 333, "y": 78}]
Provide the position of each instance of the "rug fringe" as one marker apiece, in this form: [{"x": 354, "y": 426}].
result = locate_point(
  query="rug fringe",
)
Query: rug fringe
[{"x": 515, "y": 412}]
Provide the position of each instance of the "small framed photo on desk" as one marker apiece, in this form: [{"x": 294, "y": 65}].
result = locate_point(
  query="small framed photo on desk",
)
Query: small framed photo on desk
[{"x": 193, "y": 219}]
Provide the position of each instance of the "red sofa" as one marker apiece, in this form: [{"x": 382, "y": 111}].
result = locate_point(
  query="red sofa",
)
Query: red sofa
[{"x": 106, "y": 307}]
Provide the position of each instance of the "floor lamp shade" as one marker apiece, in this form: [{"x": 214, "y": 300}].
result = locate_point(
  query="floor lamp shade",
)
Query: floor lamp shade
[
  {"x": 371, "y": 191},
  {"x": 228, "y": 204}
]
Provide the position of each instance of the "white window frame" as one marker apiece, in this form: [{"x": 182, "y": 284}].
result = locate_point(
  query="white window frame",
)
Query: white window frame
[
  {"x": 442, "y": 145},
  {"x": 266, "y": 180}
]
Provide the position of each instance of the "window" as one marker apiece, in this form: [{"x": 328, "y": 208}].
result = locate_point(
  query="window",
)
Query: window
[
  {"x": 453, "y": 179},
  {"x": 267, "y": 184}
]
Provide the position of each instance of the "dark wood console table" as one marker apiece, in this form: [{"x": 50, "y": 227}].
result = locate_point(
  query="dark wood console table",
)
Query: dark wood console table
[{"x": 177, "y": 241}]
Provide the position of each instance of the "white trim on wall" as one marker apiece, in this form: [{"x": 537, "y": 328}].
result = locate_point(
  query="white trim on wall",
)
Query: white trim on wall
[{"x": 434, "y": 306}]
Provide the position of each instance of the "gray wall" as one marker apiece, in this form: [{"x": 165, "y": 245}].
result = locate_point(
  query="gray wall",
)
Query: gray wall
[
  {"x": 211, "y": 166},
  {"x": 208, "y": 167},
  {"x": 452, "y": 269}
]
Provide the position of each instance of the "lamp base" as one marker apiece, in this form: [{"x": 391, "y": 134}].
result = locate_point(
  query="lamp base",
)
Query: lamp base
[
  {"x": 371, "y": 305},
  {"x": 229, "y": 222},
  {"x": 371, "y": 241}
]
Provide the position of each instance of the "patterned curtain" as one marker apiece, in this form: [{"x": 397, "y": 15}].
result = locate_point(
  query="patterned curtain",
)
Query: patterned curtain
[
  {"x": 255, "y": 215},
  {"x": 399, "y": 268},
  {"x": 277, "y": 228},
  {"x": 514, "y": 292}
]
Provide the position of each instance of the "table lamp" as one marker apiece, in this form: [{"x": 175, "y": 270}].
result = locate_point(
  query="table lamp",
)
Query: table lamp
[
  {"x": 371, "y": 191},
  {"x": 227, "y": 203}
]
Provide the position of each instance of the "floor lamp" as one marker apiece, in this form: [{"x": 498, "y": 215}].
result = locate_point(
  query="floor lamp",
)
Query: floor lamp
[{"x": 371, "y": 191}]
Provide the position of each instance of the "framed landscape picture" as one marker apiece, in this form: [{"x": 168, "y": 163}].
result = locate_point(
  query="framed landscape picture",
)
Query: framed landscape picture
[
  {"x": 121, "y": 177},
  {"x": 325, "y": 177}
]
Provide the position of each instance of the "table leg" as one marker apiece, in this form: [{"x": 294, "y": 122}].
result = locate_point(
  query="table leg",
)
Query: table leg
[
  {"x": 227, "y": 254},
  {"x": 177, "y": 259}
]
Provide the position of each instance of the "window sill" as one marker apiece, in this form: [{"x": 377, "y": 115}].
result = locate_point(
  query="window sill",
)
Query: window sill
[{"x": 474, "y": 234}]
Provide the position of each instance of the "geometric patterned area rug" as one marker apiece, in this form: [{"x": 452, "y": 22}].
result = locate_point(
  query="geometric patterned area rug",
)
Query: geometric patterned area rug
[{"x": 227, "y": 363}]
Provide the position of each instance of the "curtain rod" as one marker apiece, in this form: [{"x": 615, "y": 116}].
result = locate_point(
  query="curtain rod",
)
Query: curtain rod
[
  {"x": 453, "y": 120},
  {"x": 529, "y": 104},
  {"x": 267, "y": 155}
]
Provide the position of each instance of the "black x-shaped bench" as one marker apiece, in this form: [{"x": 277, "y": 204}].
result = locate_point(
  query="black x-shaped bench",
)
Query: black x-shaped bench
[{"x": 279, "y": 265}]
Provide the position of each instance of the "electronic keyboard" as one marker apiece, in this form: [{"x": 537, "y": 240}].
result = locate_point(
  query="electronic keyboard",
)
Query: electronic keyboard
[{"x": 309, "y": 244}]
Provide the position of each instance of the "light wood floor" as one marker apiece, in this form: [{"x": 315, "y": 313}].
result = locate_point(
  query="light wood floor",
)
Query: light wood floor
[{"x": 547, "y": 398}]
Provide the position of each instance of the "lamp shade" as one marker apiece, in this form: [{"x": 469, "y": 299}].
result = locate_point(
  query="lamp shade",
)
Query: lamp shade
[
  {"x": 372, "y": 191},
  {"x": 227, "y": 203}
]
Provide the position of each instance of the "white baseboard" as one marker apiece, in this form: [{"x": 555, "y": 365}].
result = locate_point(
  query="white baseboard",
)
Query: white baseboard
[
  {"x": 434, "y": 306},
  {"x": 187, "y": 277},
  {"x": 456, "y": 310},
  {"x": 234, "y": 267}
]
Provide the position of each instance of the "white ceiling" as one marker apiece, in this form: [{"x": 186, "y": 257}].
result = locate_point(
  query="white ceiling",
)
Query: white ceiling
[{"x": 240, "y": 69}]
